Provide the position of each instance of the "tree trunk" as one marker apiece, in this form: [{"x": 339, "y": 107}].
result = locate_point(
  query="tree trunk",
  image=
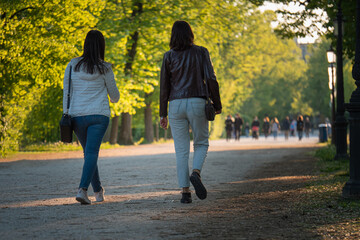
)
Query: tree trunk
[
  {"x": 149, "y": 129},
  {"x": 114, "y": 129},
  {"x": 125, "y": 137},
  {"x": 126, "y": 131},
  {"x": 157, "y": 131}
]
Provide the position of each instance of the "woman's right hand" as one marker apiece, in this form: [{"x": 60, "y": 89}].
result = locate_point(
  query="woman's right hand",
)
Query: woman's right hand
[{"x": 164, "y": 122}]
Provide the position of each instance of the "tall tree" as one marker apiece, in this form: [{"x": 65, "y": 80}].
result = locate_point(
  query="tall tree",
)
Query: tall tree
[
  {"x": 32, "y": 63},
  {"x": 323, "y": 14},
  {"x": 149, "y": 128},
  {"x": 278, "y": 76}
]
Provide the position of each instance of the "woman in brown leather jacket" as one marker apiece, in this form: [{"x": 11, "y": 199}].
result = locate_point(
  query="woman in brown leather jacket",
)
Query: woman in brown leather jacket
[{"x": 182, "y": 85}]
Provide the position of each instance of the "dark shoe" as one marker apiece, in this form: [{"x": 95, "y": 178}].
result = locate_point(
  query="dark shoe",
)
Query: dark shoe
[
  {"x": 200, "y": 190},
  {"x": 186, "y": 198}
]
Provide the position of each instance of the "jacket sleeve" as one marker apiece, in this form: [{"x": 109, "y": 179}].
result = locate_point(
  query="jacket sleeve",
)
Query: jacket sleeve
[
  {"x": 164, "y": 85},
  {"x": 213, "y": 85},
  {"x": 111, "y": 87}
]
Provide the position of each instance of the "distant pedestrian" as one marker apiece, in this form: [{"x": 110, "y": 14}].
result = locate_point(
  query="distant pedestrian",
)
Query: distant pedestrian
[
  {"x": 255, "y": 127},
  {"x": 182, "y": 86},
  {"x": 292, "y": 128},
  {"x": 247, "y": 129},
  {"x": 266, "y": 127},
  {"x": 275, "y": 126},
  {"x": 92, "y": 80},
  {"x": 238, "y": 126},
  {"x": 228, "y": 127},
  {"x": 307, "y": 127},
  {"x": 286, "y": 127},
  {"x": 300, "y": 126}
]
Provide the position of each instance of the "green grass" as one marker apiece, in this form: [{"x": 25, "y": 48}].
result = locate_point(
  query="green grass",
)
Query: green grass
[
  {"x": 323, "y": 201},
  {"x": 65, "y": 147},
  {"x": 327, "y": 153},
  {"x": 60, "y": 147}
]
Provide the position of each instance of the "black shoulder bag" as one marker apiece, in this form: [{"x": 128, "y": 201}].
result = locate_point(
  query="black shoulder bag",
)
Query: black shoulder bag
[
  {"x": 65, "y": 122},
  {"x": 209, "y": 106}
]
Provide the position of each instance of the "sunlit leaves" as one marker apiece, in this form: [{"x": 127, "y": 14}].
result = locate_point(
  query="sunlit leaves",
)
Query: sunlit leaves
[{"x": 37, "y": 39}]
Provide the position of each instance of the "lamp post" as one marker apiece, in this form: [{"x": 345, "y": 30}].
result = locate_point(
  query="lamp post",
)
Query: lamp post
[
  {"x": 340, "y": 121},
  {"x": 331, "y": 57},
  {"x": 352, "y": 186}
]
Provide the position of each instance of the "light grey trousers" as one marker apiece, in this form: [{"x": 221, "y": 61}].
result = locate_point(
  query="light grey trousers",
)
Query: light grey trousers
[{"x": 182, "y": 114}]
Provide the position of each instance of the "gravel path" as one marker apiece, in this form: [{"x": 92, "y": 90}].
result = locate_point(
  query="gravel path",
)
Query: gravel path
[{"x": 142, "y": 198}]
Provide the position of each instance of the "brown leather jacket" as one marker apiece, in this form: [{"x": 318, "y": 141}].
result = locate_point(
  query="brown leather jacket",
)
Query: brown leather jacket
[{"x": 182, "y": 76}]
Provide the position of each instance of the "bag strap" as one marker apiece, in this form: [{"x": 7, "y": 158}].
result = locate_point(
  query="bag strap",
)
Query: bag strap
[
  {"x": 206, "y": 79},
  {"x": 68, "y": 95}
]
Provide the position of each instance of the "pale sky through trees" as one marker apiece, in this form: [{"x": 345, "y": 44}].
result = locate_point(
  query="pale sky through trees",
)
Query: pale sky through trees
[{"x": 294, "y": 8}]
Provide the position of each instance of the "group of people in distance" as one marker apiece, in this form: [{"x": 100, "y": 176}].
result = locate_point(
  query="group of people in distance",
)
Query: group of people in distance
[{"x": 268, "y": 127}]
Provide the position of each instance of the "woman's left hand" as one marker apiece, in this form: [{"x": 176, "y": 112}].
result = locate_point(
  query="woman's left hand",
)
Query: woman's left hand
[{"x": 164, "y": 122}]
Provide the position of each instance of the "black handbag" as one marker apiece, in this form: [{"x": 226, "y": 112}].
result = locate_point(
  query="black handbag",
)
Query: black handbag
[
  {"x": 66, "y": 130},
  {"x": 209, "y": 106}
]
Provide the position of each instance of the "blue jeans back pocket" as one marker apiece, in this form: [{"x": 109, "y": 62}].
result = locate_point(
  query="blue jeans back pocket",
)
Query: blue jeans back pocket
[
  {"x": 174, "y": 107},
  {"x": 198, "y": 109}
]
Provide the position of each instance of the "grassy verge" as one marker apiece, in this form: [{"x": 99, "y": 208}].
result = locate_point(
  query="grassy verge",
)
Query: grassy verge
[
  {"x": 64, "y": 147},
  {"x": 60, "y": 147},
  {"x": 323, "y": 206}
]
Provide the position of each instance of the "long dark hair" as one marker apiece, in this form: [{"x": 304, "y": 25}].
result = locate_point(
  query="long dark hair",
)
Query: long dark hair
[
  {"x": 94, "y": 52},
  {"x": 182, "y": 37}
]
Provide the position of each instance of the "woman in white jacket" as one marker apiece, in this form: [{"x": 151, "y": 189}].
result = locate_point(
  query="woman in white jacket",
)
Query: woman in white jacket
[{"x": 92, "y": 80}]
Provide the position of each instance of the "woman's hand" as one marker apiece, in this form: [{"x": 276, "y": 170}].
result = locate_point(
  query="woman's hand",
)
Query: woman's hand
[
  {"x": 164, "y": 122},
  {"x": 218, "y": 112}
]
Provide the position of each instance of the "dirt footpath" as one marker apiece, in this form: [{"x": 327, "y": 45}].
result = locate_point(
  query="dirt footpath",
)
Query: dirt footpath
[{"x": 250, "y": 184}]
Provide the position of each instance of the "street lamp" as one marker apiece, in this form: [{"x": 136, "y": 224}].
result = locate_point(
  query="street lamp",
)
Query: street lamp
[
  {"x": 352, "y": 186},
  {"x": 331, "y": 57},
  {"x": 340, "y": 121}
]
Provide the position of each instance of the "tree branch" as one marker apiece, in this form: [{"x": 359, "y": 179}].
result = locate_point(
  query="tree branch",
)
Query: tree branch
[{"x": 19, "y": 11}]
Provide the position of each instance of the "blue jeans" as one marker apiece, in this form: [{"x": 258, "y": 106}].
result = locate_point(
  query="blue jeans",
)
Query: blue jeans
[
  {"x": 182, "y": 114},
  {"x": 275, "y": 133},
  {"x": 90, "y": 131},
  {"x": 300, "y": 133}
]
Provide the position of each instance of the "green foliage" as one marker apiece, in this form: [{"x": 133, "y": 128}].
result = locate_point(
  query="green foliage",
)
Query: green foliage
[
  {"x": 349, "y": 82},
  {"x": 37, "y": 39},
  {"x": 258, "y": 72},
  {"x": 327, "y": 153},
  {"x": 329, "y": 165},
  {"x": 121, "y": 22},
  {"x": 277, "y": 73},
  {"x": 316, "y": 89},
  {"x": 298, "y": 25}
]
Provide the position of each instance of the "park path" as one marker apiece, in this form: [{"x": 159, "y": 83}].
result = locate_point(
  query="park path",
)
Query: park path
[{"x": 142, "y": 198}]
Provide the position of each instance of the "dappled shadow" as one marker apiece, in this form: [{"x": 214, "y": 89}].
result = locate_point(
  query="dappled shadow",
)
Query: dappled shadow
[
  {"x": 250, "y": 194},
  {"x": 125, "y": 198}
]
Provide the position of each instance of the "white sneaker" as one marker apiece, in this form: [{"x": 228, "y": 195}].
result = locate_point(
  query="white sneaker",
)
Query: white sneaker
[
  {"x": 100, "y": 195},
  {"x": 82, "y": 197}
]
